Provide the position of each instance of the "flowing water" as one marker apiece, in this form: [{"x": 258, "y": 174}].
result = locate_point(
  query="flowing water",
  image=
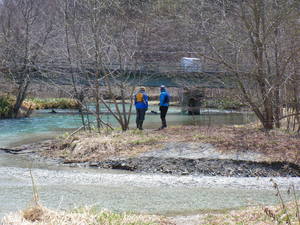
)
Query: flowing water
[
  {"x": 44, "y": 125},
  {"x": 65, "y": 187}
]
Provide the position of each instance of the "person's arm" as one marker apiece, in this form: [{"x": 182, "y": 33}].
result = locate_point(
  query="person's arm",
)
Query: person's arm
[
  {"x": 146, "y": 100},
  {"x": 168, "y": 98},
  {"x": 165, "y": 98}
]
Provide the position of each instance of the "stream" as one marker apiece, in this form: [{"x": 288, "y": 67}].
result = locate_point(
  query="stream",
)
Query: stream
[{"x": 63, "y": 187}]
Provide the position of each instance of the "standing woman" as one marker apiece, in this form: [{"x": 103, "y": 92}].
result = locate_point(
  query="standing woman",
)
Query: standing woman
[
  {"x": 141, "y": 105},
  {"x": 164, "y": 100}
]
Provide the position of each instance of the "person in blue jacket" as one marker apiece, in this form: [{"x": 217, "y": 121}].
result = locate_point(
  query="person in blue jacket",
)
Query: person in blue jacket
[
  {"x": 164, "y": 100},
  {"x": 141, "y": 105}
]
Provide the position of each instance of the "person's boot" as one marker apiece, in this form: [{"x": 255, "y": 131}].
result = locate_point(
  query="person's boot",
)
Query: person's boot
[
  {"x": 141, "y": 125},
  {"x": 162, "y": 127},
  {"x": 164, "y": 124}
]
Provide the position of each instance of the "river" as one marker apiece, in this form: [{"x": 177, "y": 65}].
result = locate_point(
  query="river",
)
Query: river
[
  {"x": 62, "y": 187},
  {"x": 44, "y": 125}
]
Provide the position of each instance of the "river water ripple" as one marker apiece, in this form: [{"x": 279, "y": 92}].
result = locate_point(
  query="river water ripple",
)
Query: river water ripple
[{"x": 120, "y": 191}]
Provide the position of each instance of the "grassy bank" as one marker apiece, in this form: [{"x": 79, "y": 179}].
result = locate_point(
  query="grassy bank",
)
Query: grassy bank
[
  {"x": 51, "y": 103},
  {"x": 82, "y": 147},
  {"x": 7, "y": 102}
]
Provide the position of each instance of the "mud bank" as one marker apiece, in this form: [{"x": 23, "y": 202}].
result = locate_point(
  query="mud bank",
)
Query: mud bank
[{"x": 207, "y": 167}]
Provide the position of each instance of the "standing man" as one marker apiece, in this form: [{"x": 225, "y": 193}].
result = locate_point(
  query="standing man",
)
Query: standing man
[
  {"x": 141, "y": 105},
  {"x": 164, "y": 100}
]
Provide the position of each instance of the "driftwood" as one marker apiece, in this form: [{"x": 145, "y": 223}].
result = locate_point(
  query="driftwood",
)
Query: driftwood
[{"x": 11, "y": 150}]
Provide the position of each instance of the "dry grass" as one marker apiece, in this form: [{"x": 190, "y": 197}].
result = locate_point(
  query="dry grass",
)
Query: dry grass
[
  {"x": 33, "y": 213},
  {"x": 51, "y": 103},
  {"x": 276, "y": 145},
  {"x": 94, "y": 147},
  {"x": 254, "y": 216},
  {"x": 42, "y": 216},
  {"x": 250, "y": 216}
]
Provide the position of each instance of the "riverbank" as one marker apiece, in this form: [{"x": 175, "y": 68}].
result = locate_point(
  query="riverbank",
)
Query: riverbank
[
  {"x": 239, "y": 151},
  {"x": 30, "y": 104},
  {"x": 234, "y": 141},
  {"x": 51, "y": 103}
]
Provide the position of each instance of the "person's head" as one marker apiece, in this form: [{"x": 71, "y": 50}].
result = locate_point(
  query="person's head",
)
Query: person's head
[
  {"x": 142, "y": 88},
  {"x": 162, "y": 88}
]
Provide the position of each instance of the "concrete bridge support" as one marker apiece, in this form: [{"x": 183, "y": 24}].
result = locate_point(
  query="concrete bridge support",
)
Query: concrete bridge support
[{"x": 191, "y": 100}]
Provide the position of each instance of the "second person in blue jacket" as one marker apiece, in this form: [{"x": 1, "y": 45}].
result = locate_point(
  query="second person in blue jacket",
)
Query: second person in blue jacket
[{"x": 164, "y": 100}]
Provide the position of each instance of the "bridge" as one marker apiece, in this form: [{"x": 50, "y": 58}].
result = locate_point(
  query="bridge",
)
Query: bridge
[
  {"x": 204, "y": 79},
  {"x": 171, "y": 76}
]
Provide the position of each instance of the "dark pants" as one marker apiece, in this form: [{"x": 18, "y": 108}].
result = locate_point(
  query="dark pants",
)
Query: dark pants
[
  {"x": 163, "y": 112},
  {"x": 140, "y": 117}
]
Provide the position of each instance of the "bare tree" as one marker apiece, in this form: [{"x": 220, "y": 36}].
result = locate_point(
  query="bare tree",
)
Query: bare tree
[
  {"x": 25, "y": 30},
  {"x": 248, "y": 39},
  {"x": 110, "y": 52}
]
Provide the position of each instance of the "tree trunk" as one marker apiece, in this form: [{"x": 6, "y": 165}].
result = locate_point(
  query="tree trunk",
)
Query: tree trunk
[{"x": 22, "y": 91}]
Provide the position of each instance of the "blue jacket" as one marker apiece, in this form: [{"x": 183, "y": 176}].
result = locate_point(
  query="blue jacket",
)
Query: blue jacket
[
  {"x": 164, "y": 98},
  {"x": 142, "y": 104}
]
